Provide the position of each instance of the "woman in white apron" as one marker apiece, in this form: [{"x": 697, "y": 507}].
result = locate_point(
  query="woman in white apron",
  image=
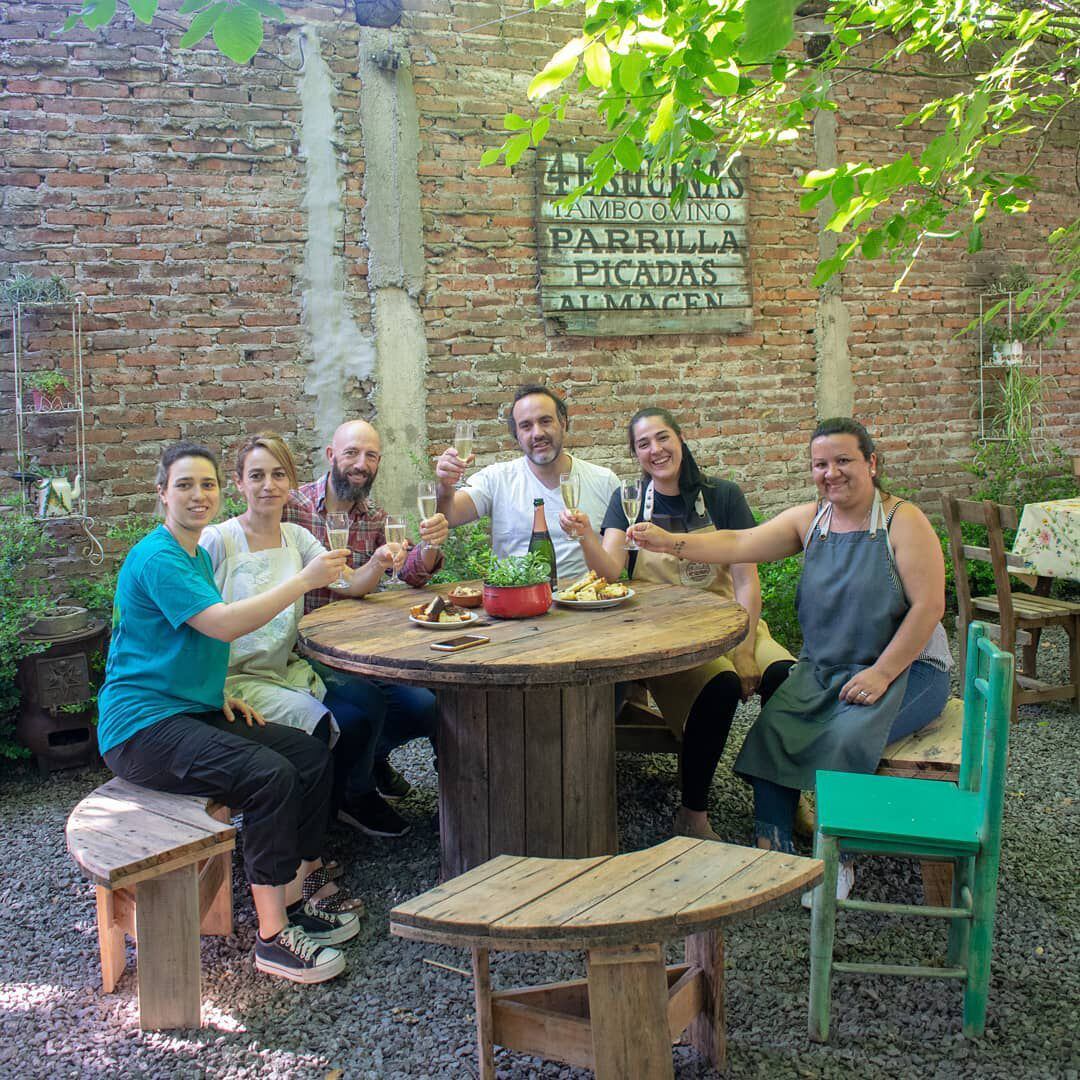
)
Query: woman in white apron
[
  {"x": 875, "y": 660},
  {"x": 699, "y": 704},
  {"x": 251, "y": 554}
]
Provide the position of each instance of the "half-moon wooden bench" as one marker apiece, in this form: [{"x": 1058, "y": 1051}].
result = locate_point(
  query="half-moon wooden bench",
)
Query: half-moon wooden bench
[
  {"x": 163, "y": 868},
  {"x": 622, "y": 1020}
]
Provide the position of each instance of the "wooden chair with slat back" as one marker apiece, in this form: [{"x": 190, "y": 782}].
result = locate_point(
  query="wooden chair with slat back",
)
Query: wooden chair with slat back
[{"x": 1021, "y": 616}]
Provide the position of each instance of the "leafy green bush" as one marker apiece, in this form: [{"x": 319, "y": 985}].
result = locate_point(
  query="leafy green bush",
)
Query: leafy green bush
[
  {"x": 779, "y": 581},
  {"x": 516, "y": 570},
  {"x": 21, "y": 543}
]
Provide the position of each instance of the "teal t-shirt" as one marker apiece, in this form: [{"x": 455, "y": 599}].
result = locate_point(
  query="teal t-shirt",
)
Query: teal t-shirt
[{"x": 158, "y": 665}]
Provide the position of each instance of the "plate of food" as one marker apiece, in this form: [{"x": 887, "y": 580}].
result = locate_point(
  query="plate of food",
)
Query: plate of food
[
  {"x": 438, "y": 614},
  {"x": 593, "y": 592}
]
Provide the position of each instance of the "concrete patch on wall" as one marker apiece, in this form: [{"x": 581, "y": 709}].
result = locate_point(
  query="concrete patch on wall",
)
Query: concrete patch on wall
[
  {"x": 393, "y": 233},
  {"x": 340, "y": 352}
]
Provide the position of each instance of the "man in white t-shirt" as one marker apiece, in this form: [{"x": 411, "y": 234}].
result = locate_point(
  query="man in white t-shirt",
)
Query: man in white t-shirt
[{"x": 538, "y": 421}]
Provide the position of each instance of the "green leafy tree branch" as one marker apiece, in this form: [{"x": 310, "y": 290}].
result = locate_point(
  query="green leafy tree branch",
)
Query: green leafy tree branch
[
  {"x": 236, "y": 26},
  {"x": 688, "y": 86}
]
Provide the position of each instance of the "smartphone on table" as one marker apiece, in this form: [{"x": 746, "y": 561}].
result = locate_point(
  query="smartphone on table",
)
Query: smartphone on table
[{"x": 456, "y": 644}]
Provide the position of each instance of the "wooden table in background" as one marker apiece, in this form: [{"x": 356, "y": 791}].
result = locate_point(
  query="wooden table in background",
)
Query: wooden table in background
[{"x": 526, "y": 723}]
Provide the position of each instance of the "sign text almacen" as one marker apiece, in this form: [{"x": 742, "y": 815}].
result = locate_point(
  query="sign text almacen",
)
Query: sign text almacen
[{"x": 626, "y": 261}]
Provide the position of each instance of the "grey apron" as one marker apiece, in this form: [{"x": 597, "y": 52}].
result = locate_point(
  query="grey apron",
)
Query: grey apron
[{"x": 850, "y": 603}]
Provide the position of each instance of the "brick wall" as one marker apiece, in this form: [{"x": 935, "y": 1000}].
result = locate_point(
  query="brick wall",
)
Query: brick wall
[{"x": 164, "y": 185}]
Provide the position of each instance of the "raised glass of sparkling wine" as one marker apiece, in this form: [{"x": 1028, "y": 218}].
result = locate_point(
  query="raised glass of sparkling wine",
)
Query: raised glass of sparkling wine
[
  {"x": 630, "y": 494},
  {"x": 337, "y": 535},
  {"x": 570, "y": 489},
  {"x": 427, "y": 500},
  {"x": 464, "y": 435},
  {"x": 394, "y": 528}
]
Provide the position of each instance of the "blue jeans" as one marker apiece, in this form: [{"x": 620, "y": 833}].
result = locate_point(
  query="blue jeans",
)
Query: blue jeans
[
  {"x": 375, "y": 717},
  {"x": 774, "y": 806}
]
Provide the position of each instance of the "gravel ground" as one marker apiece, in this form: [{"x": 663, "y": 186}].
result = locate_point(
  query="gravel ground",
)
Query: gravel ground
[{"x": 394, "y": 1015}]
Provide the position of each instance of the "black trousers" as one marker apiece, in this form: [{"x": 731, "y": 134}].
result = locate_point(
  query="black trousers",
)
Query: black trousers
[{"x": 279, "y": 778}]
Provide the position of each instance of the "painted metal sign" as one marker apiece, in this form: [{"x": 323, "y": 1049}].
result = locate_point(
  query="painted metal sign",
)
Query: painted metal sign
[{"x": 625, "y": 261}]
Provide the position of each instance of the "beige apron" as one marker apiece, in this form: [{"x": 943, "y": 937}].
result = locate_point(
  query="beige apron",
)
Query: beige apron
[{"x": 675, "y": 694}]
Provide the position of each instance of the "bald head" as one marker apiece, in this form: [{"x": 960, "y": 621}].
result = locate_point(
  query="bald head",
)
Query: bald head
[{"x": 354, "y": 454}]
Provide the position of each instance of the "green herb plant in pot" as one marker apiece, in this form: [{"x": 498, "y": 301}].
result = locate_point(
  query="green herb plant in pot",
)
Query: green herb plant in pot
[{"x": 517, "y": 587}]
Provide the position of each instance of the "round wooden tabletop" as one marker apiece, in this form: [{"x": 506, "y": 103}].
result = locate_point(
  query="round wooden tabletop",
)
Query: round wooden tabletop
[{"x": 662, "y": 628}]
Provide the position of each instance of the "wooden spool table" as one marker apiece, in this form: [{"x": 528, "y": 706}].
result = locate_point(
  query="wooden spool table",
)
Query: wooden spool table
[
  {"x": 163, "y": 868},
  {"x": 526, "y": 723},
  {"x": 622, "y": 1020}
]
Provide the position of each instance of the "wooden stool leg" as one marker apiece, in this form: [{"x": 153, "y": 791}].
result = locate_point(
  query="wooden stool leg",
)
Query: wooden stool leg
[
  {"x": 937, "y": 883},
  {"x": 215, "y": 895},
  {"x": 707, "y": 1030},
  {"x": 628, "y": 1013},
  {"x": 167, "y": 936},
  {"x": 110, "y": 940},
  {"x": 481, "y": 970}
]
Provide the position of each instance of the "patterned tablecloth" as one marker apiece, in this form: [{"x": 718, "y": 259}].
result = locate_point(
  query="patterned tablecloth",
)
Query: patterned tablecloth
[{"x": 1049, "y": 538}]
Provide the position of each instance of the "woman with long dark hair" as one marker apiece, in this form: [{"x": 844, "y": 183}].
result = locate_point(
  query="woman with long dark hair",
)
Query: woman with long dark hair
[
  {"x": 165, "y": 722},
  {"x": 875, "y": 660},
  {"x": 698, "y": 704}
]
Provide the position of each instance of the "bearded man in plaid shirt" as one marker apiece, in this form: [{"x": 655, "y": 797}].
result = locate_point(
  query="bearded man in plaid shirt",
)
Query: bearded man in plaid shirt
[{"x": 384, "y": 715}]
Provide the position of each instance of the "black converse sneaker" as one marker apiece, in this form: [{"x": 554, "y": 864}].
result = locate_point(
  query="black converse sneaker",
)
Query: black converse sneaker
[
  {"x": 293, "y": 955},
  {"x": 323, "y": 927}
]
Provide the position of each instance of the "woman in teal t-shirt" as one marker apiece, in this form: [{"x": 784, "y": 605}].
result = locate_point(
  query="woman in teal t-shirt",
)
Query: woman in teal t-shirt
[{"x": 166, "y": 724}]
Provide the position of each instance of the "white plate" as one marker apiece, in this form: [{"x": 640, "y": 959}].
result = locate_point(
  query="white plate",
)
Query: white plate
[
  {"x": 595, "y": 605},
  {"x": 473, "y": 617}
]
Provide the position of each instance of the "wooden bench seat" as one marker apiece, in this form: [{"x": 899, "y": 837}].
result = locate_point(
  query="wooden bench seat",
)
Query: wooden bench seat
[
  {"x": 162, "y": 865},
  {"x": 622, "y": 1020}
]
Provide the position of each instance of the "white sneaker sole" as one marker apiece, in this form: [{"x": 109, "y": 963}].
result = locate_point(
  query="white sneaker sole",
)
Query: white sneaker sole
[
  {"x": 355, "y": 823},
  {"x": 339, "y": 935},
  {"x": 318, "y": 974}
]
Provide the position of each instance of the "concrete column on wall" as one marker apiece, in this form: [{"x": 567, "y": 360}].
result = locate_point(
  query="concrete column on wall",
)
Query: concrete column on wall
[
  {"x": 834, "y": 389},
  {"x": 341, "y": 354},
  {"x": 394, "y": 236}
]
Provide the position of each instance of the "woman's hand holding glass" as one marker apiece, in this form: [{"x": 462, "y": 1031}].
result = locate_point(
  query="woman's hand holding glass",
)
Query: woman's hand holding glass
[
  {"x": 327, "y": 569},
  {"x": 390, "y": 556},
  {"x": 650, "y": 537}
]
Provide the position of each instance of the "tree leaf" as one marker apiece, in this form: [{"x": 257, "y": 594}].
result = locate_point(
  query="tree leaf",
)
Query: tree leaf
[
  {"x": 143, "y": 10},
  {"x": 769, "y": 28},
  {"x": 627, "y": 153},
  {"x": 557, "y": 70},
  {"x": 598, "y": 65},
  {"x": 97, "y": 13},
  {"x": 725, "y": 78},
  {"x": 266, "y": 9},
  {"x": 202, "y": 24},
  {"x": 238, "y": 33},
  {"x": 629, "y": 70},
  {"x": 661, "y": 123},
  {"x": 539, "y": 130},
  {"x": 188, "y": 6},
  {"x": 513, "y": 122},
  {"x": 516, "y": 146},
  {"x": 489, "y": 157}
]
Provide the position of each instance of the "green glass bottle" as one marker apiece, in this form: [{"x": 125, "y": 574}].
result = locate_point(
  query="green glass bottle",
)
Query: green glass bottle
[{"x": 541, "y": 542}]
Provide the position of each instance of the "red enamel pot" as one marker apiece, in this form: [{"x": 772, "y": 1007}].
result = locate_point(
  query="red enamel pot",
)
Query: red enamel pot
[{"x": 517, "y": 601}]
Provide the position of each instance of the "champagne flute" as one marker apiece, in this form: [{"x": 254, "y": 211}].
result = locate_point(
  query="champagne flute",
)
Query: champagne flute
[
  {"x": 427, "y": 500},
  {"x": 464, "y": 434},
  {"x": 394, "y": 528},
  {"x": 337, "y": 535},
  {"x": 570, "y": 488},
  {"x": 630, "y": 494}
]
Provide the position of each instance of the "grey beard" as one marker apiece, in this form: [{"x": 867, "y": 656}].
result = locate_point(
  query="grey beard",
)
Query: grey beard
[{"x": 347, "y": 491}]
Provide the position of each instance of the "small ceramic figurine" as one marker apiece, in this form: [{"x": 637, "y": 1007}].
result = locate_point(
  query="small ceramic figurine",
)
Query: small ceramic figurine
[{"x": 57, "y": 496}]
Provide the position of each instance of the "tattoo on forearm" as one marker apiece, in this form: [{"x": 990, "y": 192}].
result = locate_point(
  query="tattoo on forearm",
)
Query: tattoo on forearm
[{"x": 677, "y": 548}]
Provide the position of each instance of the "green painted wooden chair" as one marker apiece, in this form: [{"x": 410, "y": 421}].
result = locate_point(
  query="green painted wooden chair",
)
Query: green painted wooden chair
[{"x": 926, "y": 819}]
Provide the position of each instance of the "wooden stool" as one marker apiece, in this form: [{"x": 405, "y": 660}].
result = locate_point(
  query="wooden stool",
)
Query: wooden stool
[
  {"x": 163, "y": 868},
  {"x": 620, "y": 1021}
]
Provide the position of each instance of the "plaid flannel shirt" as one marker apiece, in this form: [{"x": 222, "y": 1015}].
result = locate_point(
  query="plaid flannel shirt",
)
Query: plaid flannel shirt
[{"x": 307, "y": 507}]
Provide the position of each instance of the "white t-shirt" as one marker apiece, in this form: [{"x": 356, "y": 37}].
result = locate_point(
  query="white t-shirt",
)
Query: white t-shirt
[{"x": 506, "y": 490}]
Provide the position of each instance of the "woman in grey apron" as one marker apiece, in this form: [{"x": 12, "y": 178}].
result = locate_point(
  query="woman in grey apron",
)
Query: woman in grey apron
[
  {"x": 875, "y": 659},
  {"x": 698, "y": 705}
]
